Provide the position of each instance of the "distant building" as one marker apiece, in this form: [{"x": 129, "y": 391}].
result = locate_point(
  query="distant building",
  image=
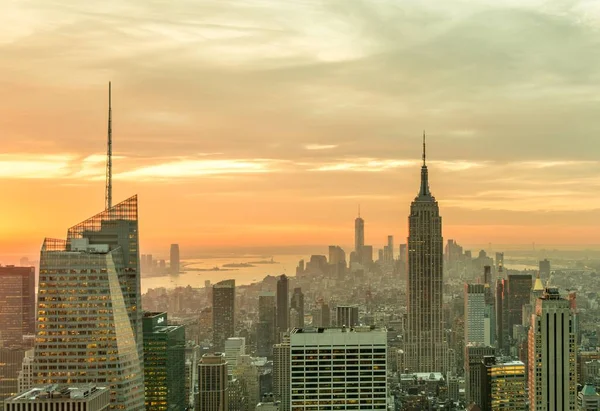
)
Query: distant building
[
  {"x": 552, "y": 355},
  {"x": 283, "y": 303},
  {"x": 223, "y": 301},
  {"x": 164, "y": 363},
  {"x": 359, "y": 236},
  {"x": 17, "y": 304},
  {"x": 213, "y": 392},
  {"x": 234, "y": 348},
  {"x": 266, "y": 330},
  {"x": 544, "y": 267},
  {"x": 519, "y": 292},
  {"x": 26, "y": 377},
  {"x": 11, "y": 359},
  {"x": 349, "y": 350},
  {"x": 63, "y": 398},
  {"x": 174, "y": 259},
  {"x": 347, "y": 315},
  {"x": 297, "y": 303},
  {"x": 248, "y": 374},
  {"x": 474, "y": 354},
  {"x": 503, "y": 386},
  {"x": 475, "y": 313}
]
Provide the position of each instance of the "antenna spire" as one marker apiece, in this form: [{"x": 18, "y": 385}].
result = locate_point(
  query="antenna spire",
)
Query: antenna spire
[
  {"x": 359, "y": 211},
  {"x": 108, "y": 196},
  {"x": 424, "y": 152}
]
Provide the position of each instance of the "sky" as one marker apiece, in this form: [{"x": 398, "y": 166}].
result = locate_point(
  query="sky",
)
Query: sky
[{"x": 267, "y": 122}]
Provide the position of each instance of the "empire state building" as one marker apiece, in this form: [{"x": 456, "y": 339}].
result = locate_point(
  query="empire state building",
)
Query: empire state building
[{"x": 425, "y": 348}]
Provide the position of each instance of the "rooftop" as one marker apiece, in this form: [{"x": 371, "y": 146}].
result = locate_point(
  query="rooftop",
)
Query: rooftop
[
  {"x": 335, "y": 330},
  {"x": 56, "y": 392}
]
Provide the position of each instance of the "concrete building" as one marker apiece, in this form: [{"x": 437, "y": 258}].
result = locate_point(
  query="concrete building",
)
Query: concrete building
[
  {"x": 503, "y": 386},
  {"x": 588, "y": 399},
  {"x": 223, "y": 302},
  {"x": 17, "y": 304},
  {"x": 281, "y": 375},
  {"x": 268, "y": 403},
  {"x": 425, "y": 346},
  {"x": 328, "y": 368},
  {"x": 164, "y": 363},
  {"x": 347, "y": 316},
  {"x": 10, "y": 364},
  {"x": 234, "y": 348},
  {"x": 26, "y": 376},
  {"x": 61, "y": 398},
  {"x": 474, "y": 355},
  {"x": 89, "y": 296},
  {"x": 266, "y": 329},
  {"x": 552, "y": 355},
  {"x": 475, "y": 313},
  {"x": 248, "y": 374},
  {"x": 213, "y": 394}
]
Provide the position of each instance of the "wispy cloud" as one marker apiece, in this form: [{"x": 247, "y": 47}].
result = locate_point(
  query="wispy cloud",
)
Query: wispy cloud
[
  {"x": 26, "y": 166},
  {"x": 320, "y": 146},
  {"x": 364, "y": 164}
]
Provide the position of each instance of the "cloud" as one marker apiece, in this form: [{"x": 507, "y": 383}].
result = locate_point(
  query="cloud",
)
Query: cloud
[
  {"x": 25, "y": 166},
  {"x": 320, "y": 146}
]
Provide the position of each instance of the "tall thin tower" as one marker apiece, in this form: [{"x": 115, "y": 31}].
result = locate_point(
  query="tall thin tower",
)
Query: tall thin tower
[
  {"x": 108, "y": 196},
  {"x": 425, "y": 348}
]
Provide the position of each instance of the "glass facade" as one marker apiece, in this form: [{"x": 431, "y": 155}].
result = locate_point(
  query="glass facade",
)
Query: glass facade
[
  {"x": 164, "y": 364},
  {"x": 88, "y": 308},
  {"x": 17, "y": 308}
]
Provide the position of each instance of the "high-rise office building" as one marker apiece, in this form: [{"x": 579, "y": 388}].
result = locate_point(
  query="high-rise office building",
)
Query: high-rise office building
[
  {"x": 234, "y": 348},
  {"x": 504, "y": 386},
  {"x": 213, "y": 394},
  {"x": 297, "y": 303},
  {"x": 223, "y": 300},
  {"x": 474, "y": 313},
  {"x": 266, "y": 330},
  {"x": 347, "y": 316},
  {"x": 390, "y": 246},
  {"x": 164, "y": 363},
  {"x": 248, "y": 374},
  {"x": 359, "y": 236},
  {"x": 544, "y": 267},
  {"x": 89, "y": 296},
  {"x": 281, "y": 374},
  {"x": 174, "y": 259},
  {"x": 552, "y": 355},
  {"x": 366, "y": 255},
  {"x": 88, "y": 397},
  {"x": 283, "y": 303},
  {"x": 425, "y": 348},
  {"x": 329, "y": 368},
  {"x": 26, "y": 376},
  {"x": 519, "y": 293},
  {"x": 17, "y": 304},
  {"x": 474, "y": 354},
  {"x": 11, "y": 359},
  {"x": 499, "y": 262}
]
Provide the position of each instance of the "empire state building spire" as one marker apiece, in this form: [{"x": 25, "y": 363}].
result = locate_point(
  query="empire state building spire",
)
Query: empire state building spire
[{"x": 424, "y": 192}]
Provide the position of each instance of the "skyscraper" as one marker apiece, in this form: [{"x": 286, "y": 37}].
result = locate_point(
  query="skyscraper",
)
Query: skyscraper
[
  {"x": 552, "y": 355},
  {"x": 474, "y": 313},
  {"x": 89, "y": 296},
  {"x": 164, "y": 363},
  {"x": 347, "y": 315},
  {"x": 425, "y": 348},
  {"x": 544, "y": 270},
  {"x": 359, "y": 236},
  {"x": 519, "y": 292},
  {"x": 474, "y": 354},
  {"x": 17, "y": 304},
  {"x": 266, "y": 330},
  {"x": 223, "y": 299},
  {"x": 234, "y": 348},
  {"x": 297, "y": 303},
  {"x": 282, "y": 374},
  {"x": 329, "y": 366},
  {"x": 503, "y": 385},
  {"x": 174, "y": 259},
  {"x": 212, "y": 383},
  {"x": 283, "y": 303}
]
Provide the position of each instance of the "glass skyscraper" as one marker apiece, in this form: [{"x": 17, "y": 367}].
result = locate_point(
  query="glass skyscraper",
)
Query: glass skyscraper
[{"x": 89, "y": 327}]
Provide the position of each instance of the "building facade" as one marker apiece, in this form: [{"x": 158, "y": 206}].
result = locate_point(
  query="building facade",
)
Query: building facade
[
  {"x": 552, "y": 355},
  {"x": 425, "y": 347},
  {"x": 475, "y": 331},
  {"x": 164, "y": 363},
  {"x": 61, "y": 398},
  {"x": 504, "y": 385},
  {"x": 213, "y": 394},
  {"x": 474, "y": 355},
  {"x": 283, "y": 303},
  {"x": 347, "y": 315},
  {"x": 234, "y": 348},
  {"x": 266, "y": 330},
  {"x": 17, "y": 304},
  {"x": 338, "y": 369},
  {"x": 297, "y": 304},
  {"x": 223, "y": 300},
  {"x": 281, "y": 375},
  {"x": 89, "y": 307}
]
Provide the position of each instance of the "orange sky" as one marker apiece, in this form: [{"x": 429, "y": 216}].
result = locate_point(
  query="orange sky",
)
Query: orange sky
[{"x": 267, "y": 123}]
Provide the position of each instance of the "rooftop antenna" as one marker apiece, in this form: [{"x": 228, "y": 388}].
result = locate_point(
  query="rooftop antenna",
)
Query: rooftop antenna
[
  {"x": 108, "y": 196},
  {"x": 359, "y": 211},
  {"x": 424, "y": 147}
]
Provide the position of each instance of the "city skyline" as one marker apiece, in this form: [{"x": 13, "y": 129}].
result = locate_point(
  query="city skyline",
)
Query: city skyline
[{"x": 210, "y": 112}]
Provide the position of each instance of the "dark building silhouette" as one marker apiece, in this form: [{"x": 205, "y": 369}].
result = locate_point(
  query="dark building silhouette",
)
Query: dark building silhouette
[
  {"x": 223, "y": 300},
  {"x": 174, "y": 259},
  {"x": 283, "y": 303},
  {"x": 17, "y": 304},
  {"x": 297, "y": 304},
  {"x": 266, "y": 331}
]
